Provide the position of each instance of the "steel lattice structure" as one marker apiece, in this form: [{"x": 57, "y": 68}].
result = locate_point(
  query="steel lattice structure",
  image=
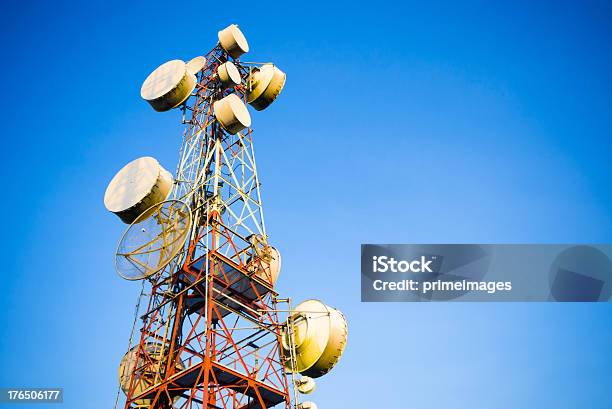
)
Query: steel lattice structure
[{"x": 211, "y": 333}]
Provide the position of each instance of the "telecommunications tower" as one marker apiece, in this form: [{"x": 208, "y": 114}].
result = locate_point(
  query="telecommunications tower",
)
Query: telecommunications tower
[{"x": 210, "y": 329}]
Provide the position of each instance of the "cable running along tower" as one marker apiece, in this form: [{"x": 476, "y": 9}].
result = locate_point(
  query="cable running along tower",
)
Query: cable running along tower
[{"x": 210, "y": 330}]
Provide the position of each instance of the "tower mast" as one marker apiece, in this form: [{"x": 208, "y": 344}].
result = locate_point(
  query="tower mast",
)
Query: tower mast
[{"x": 211, "y": 332}]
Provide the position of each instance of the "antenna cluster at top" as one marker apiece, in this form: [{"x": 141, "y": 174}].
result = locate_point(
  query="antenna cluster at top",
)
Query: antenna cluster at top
[{"x": 171, "y": 84}]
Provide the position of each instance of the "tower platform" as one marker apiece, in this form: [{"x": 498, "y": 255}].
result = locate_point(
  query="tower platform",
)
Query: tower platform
[
  {"x": 235, "y": 289},
  {"x": 222, "y": 376}
]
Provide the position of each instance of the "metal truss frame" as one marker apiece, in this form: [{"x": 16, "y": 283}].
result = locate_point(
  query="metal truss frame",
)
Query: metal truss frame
[{"x": 212, "y": 312}]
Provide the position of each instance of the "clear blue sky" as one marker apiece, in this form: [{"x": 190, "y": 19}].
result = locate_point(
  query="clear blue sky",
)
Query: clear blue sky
[{"x": 400, "y": 122}]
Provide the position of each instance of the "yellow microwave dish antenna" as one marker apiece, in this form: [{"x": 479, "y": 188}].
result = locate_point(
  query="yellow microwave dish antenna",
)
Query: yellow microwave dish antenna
[
  {"x": 317, "y": 333},
  {"x": 267, "y": 266},
  {"x": 229, "y": 75},
  {"x": 264, "y": 86},
  {"x": 150, "y": 243},
  {"x": 196, "y": 64},
  {"x": 306, "y": 385},
  {"x": 132, "y": 362},
  {"x": 136, "y": 187},
  {"x": 168, "y": 86},
  {"x": 233, "y": 41},
  {"x": 232, "y": 114},
  {"x": 272, "y": 266}
]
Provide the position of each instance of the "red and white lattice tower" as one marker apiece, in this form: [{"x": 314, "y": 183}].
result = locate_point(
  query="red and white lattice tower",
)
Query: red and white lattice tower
[{"x": 210, "y": 334}]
